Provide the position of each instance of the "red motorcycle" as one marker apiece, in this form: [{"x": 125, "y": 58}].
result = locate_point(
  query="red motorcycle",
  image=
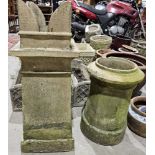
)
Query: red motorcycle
[{"x": 115, "y": 18}]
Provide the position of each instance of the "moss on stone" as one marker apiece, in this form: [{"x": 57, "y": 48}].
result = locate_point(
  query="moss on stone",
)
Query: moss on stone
[
  {"x": 47, "y": 134},
  {"x": 59, "y": 145},
  {"x": 104, "y": 116}
]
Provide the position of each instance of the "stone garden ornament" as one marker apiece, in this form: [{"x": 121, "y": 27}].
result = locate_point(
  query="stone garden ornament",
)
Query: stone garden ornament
[
  {"x": 104, "y": 117},
  {"x": 46, "y": 78}
]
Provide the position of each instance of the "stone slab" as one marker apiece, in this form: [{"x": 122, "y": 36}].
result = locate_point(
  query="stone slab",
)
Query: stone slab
[
  {"x": 32, "y": 39},
  {"x": 59, "y": 145},
  {"x": 45, "y": 59},
  {"x": 27, "y": 20},
  {"x": 84, "y": 49},
  {"x": 45, "y": 103},
  {"x": 86, "y": 52},
  {"x": 38, "y": 15},
  {"x": 43, "y": 52},
  {"x": 60, "y": 20},
  {"x": 48, "y": 133}
]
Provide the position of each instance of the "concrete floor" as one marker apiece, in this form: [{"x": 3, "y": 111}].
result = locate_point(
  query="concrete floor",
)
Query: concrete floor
[{"x": 130, "y": 145}]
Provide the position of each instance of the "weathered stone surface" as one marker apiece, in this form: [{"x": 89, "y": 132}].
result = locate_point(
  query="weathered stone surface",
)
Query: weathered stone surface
[
  {"x": 47, "y": 111},
  {"x": 33, "y": 39},
  {"x": 46, "y": 94},
  {"x": 59, "y": 145},
  {"x": 16, "y": 93},
  {"x": 45, "y": 59},
  {"x": 44, "y": 52},
  {"x": 31, "y": 20},
  {"x": 104, "y": 118},
  {"x": 48, "y": 133},
  {"x": 46, "y": 83},
  {"x": 44, "y": 99},
  {"x": 27, "y": 20},
  {"x": 86, "y": 52},
  {"x": 51, "y": 64},
  {"x": 91, "y": 30},
  {"x": 84, "y": 49},
  {"x": 100, "y": 42},
  {"x": 39, "y": 16},
  {"x": 60, "y": 20}
]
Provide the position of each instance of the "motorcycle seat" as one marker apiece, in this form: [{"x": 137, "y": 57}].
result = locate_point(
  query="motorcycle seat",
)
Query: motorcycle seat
[{"x": 90, "y": 8}]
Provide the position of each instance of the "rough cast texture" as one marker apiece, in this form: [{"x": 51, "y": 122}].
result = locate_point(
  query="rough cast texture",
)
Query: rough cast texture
[
  {"x": 31, "y": 20},
  {"x": 38, "y": 15},
  {"x": 104, "y": 117},
  {"x": 100, "y": 41},
  {"x": 27, "y": 20},
  {"x": 60, "y": 20},
  {"x": 41, "y": 94},
  {"x": 47, "y": 112},
  {"x": 87, "y": 53},
  {"x": 46, "y": 84},
  {"x": 91, "y": 30},
  {"x": 59, "y": 145},
  {"x": 29, "y": 39}
]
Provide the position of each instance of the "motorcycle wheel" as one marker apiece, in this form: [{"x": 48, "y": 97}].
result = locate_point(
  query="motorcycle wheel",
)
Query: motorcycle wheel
[
  {"x": 138, "y": 34},
  {"x": 135, "y": 34}
]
